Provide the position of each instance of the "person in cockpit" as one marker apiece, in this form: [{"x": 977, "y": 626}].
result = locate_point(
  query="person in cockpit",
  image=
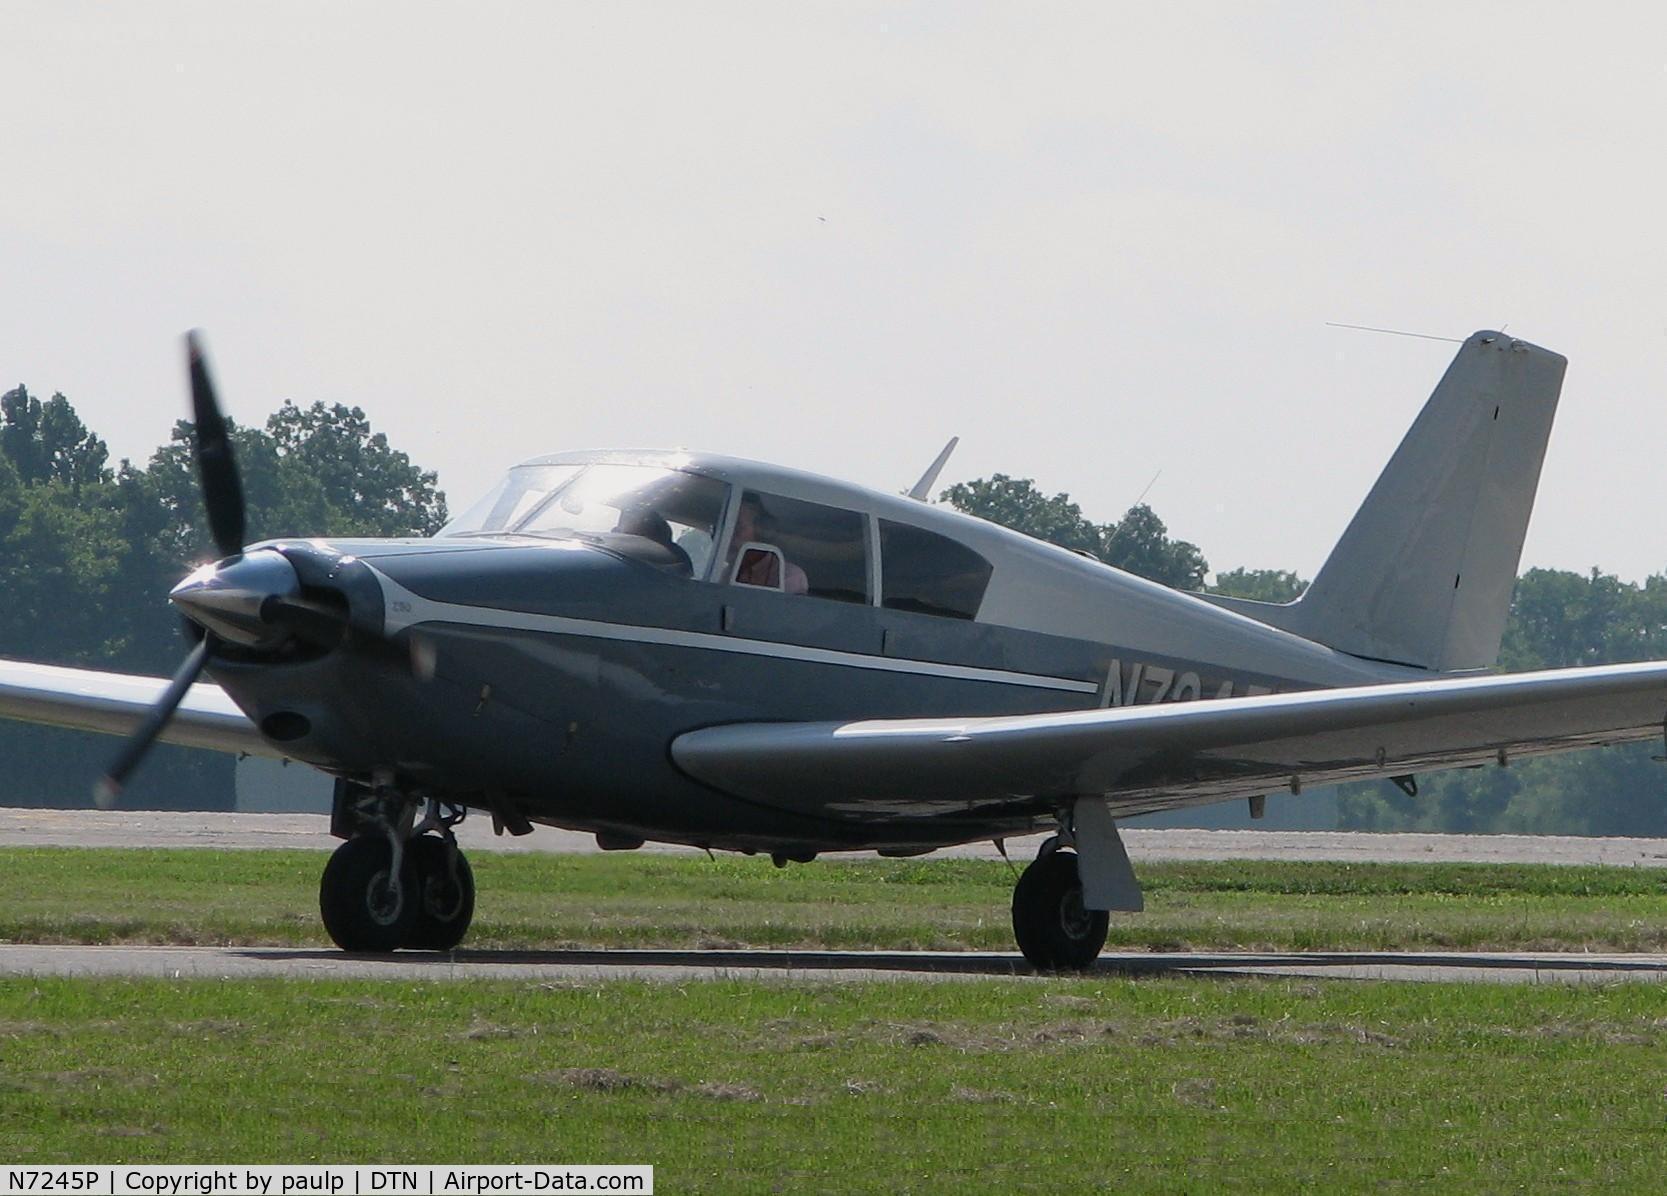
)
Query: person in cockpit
[
  {"x": 651, "y": 525},
  {"x": 754, "y": 526}
]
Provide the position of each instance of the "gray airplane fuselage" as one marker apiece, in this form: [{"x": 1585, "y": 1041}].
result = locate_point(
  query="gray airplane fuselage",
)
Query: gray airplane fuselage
[{"x": 563, "y": 667}]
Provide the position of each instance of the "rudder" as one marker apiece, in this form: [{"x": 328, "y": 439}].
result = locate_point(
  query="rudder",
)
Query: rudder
[{"x": 1424, "y": 572}]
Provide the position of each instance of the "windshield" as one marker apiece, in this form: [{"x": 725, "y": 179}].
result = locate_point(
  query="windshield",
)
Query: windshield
[
  {"x": 677, "y": 510},
  {"x": 509, "y": 501}
]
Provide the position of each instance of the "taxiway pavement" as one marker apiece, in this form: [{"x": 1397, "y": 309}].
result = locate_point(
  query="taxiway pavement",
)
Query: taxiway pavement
[
  {"x": 592, "y": 966},
  {"x": 225, "y": 831}
]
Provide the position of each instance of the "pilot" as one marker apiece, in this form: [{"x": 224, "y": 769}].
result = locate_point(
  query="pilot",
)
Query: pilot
[
  {"x": 651, "y": 525},
  {"x": 752, "y": 524}
]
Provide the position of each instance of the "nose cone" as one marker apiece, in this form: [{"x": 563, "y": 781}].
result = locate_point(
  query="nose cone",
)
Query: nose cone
[{"x": 226, "y": 598}]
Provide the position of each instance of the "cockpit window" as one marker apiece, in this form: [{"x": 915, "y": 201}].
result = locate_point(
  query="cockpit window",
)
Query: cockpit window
[
  {"x": 811, "y": 548},
  {"x": 509, "y": 501},
  {"x": 932, "y": 574},
  {"x": 676, "y": 512}
]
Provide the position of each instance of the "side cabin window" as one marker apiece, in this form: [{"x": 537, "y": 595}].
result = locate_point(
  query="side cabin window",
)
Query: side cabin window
[
  {"x": 928, "y": 573},
  {"x": 798, "y": 547}
]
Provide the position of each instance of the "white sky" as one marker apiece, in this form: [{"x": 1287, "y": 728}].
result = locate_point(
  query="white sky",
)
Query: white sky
[{"x": 1094, "y": 241}]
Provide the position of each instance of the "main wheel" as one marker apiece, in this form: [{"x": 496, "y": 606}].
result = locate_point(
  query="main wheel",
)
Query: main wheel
[
  {"x": 445, "y": 902},
  {"x": 363, "y": 909},
  {"x": 1054, "y": 931}
]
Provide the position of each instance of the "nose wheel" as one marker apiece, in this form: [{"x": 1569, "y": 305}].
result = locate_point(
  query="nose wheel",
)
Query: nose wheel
[
  {"x": 444, "y": 887},
  {"x": 1054, "y": 930},
  {"x": 395, "y": 886},
  {"x": 365, "y": 896}
]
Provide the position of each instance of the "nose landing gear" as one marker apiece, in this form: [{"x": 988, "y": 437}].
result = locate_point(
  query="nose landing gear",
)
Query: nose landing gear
[
  {"x": 444, "y": 887},
  {"x": 395, "y": 885},
  {"x": 364, "y": 898}
]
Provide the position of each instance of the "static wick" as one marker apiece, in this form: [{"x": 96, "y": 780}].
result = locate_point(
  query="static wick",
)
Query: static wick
[{"x": 1423, "y": 336}]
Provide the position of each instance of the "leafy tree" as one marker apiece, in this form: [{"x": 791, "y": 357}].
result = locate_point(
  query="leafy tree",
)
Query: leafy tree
[
  {"x": 1018, "y": 504},
  {"x": 1261, "y": 585},
  {"x": 373, "y": 486},
  {"x": 312, "y": 470},
  {"x": 48, "y": 442},
  {"x": 1138, "y": 543}
]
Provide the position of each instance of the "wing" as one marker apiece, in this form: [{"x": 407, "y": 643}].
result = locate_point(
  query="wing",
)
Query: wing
[
  {"x": 114, "y": 703},
  {"x": 1159, "y": 757}
]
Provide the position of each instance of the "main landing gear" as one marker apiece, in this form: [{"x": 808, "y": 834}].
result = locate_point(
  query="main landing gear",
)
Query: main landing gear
[
  {"x": 1060, "y": 904},
  {"x": 1054, "y": 929},
  {"x": 394, "y": 885}
]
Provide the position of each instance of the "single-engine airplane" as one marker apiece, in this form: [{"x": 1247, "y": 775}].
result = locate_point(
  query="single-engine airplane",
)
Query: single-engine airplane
[{"x": 709, "y": 651}]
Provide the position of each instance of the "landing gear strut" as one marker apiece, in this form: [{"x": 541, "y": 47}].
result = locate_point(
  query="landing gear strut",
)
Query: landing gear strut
[
  {"x": 443, "y": 883},
  {"x": 1055, "y": 931},
  {"x": 393, "y": 884}
]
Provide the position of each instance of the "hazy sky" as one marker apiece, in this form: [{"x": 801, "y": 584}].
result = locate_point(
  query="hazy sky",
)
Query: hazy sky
[{"x": 1093, "y": 241}]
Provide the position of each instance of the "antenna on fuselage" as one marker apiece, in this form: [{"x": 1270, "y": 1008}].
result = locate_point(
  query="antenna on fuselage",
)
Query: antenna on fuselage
[{"x": 922, "y": 489}]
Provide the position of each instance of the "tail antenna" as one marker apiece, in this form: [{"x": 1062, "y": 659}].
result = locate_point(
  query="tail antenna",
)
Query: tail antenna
[{"x": 921, "y": 490}]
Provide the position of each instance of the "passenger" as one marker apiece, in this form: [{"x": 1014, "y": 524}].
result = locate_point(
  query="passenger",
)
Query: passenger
[{"x": 753, "y": 526}]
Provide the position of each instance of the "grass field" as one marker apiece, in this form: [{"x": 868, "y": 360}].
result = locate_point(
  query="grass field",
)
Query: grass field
[
  {"x": 1128, "y": 1085},
  {"x": 65, "y": 895}
]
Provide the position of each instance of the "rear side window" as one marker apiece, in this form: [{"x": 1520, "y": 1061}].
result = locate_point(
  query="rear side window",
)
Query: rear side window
[
  {"x": 928, "y": 573},
  {"x": 824, "y": 550}
]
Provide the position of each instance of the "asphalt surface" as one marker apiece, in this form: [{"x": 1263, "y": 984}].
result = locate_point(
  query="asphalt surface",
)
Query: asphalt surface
[
  {"x": 591, "y": 966},
  {"x": 118, "y": 828}
]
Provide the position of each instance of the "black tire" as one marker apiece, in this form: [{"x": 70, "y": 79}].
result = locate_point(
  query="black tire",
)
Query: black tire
[
  {"x": 1053, "y": 929},
  {"x": 444, "y": 907},
  {"x": 362, "y": 911}
]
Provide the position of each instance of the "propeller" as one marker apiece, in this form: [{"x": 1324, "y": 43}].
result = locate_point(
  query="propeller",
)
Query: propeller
[
  {"x": 223, "y": 495},
  {"x": 250, "y": 600},
  {"x": 109, "y": 786},
  {"x": 216, "y": 464}
]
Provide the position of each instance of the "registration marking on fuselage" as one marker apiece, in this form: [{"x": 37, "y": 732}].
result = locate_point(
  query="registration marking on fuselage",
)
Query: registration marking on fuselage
[{"x": 1124, "y": 684}]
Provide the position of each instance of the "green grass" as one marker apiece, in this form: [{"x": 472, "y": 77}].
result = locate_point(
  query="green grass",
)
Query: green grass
[
  {"x": 1159, "y": 1085},
  {"x": 64, "y": 895}
]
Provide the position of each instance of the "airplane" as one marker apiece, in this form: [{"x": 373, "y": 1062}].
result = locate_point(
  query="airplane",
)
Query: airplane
[{"x": 696, "y": 649}]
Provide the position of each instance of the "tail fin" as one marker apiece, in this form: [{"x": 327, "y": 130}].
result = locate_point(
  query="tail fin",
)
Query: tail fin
[{"x": 1424, "y": 573}]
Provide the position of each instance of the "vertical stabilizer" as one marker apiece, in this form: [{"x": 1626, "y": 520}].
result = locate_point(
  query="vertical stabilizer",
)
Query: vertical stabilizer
[{"x": 1424, "y": 573}]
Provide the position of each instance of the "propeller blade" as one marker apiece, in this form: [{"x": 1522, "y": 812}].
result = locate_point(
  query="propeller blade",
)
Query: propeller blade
[
  {"x": 110, "y": 785},
  {"x": 222, "y": 489}
]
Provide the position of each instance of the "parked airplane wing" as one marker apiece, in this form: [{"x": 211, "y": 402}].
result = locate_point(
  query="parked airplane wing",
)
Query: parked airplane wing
[
  {"x": 1177, "y": 754},
  {"x": 115, "y": 703}
]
